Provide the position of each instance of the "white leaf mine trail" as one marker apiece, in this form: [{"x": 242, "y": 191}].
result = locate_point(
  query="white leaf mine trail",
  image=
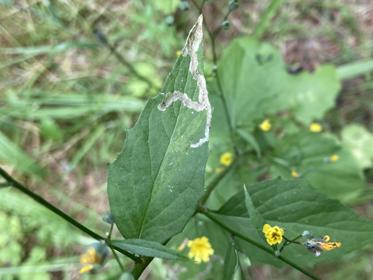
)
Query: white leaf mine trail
[{"x": 203, "y": 104}]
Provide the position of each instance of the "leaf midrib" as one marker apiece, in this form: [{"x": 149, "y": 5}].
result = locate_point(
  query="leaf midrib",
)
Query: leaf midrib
[{"x": 161, "y": 164}]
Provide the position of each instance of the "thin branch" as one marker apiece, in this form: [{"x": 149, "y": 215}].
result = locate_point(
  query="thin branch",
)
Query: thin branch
[
  {"x": 215, "y": 60},
  {"x": 140, "y": 267},
  {"x": 14, "y": 183},
  {"x": 214, "y": 183},
  {"x": 258, "y": 245},
  {"x": 108, "y": 242},
  {"x": 102, "y": 38}
]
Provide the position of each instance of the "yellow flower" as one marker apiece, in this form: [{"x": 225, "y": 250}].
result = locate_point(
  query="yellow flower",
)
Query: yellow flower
[
  {"x": 178, "y": 53},
  {"x": 315, "y": 127},
  {"x": 334, "y": 158},
  {"x": 273, "y": 235},
  {"x": 265, "y": 125},
  {"x": 294, "y": 173},
  {"x": 200, "y": 249},
  {"x": 89, "y": 259},
  {"x": 226, "y": 159}
]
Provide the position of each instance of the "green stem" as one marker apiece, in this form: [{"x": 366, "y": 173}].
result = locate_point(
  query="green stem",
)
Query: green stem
[
  {"x": 214, "y": 182},
  {"x": 13, "y": 183},
  {"x": 256, "y": 244},
  {"x": 140, "y": 267},
  {"x": 108, "y": 242},
  {"x": 104, "y": 40},
  {"x": 266, "y": 18}
]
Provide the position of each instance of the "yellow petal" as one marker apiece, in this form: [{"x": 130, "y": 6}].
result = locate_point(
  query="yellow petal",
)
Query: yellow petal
[{"x": 86, "y": 268}]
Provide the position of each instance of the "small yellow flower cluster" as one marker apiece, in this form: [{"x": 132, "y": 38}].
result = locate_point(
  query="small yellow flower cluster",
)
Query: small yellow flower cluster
[
  {"x": 273, "y": 235},
  {"x": 89, "y": 259},
  {"x": 226, "y": 159},
  {"x": 294, "y": 173},
  {"x": 265, "y": 125},
  {"x": 178, "y": 53},
  {"x": 334, "y": 158},
  {"x": 315, "y": 127},
  {"x": 200, "y": 249}
]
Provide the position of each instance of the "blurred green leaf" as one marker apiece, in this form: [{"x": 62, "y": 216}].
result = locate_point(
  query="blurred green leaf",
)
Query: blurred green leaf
[
  {"x": 155, "y": 183},
  {"x": 309, "y": 154},
  {"x": 296, "y": 207},
  {"x": 255, "y": 83},
  {"x": 38, "y": 105},
  {"x": 166, "y": 6},
  {"x": 360, "y": 142},
  {"x": 12, "y": 155},
  {"x": 354, "y": 69},
  {"x": 148, "y": 249}
]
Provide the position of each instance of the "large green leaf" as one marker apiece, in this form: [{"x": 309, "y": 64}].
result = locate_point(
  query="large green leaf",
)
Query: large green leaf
[
  {"x": 155, "y": 183},
  {"x": 255, "y": 82},
  {"x": 148, "y": 248},
  {"x": 309, "y": 154},
  {"x": 296, "y": 207}
]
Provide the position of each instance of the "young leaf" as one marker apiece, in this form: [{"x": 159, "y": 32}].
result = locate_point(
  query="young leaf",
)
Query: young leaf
[
  {"x": 148, "y": 249},
  {"x": 255, "y": 217},
  {"x": 155, "y": 183}
]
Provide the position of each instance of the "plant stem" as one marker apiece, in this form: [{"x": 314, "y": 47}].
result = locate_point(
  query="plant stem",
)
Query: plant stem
[
  {"x": 14, "y": 183},
  {"x": 140, "y": 267},
  {"x": 214, "y": 182},
  {"x": 108, "y": 242},
  {"x": 256, "y": 244},
  {"x": 212, "y": 37},
  {"x": 104, "y": 40}
]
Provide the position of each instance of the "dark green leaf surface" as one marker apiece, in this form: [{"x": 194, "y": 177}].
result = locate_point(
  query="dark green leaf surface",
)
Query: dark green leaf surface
[
  {"x": 255, "y": 82},
  {"x": 296, "y": 207},
  {"x": 148, "y": 249},
  {"x": 155, "y": 183}
]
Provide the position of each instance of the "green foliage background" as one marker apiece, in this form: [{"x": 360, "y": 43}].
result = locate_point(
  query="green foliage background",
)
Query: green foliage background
[{"x": 66, "y": 100}]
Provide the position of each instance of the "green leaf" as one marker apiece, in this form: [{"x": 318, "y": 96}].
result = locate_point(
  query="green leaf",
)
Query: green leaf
[
  {"x": 351, "y": 70},
  {"x": 296, "y": 207},
  {"x": 360, "y": 142},
  {"x": 309, "y": 154},
  {"x": 230, "y": 263},
  {"x": 256, "y": 218},
  {"x": 255, "y": 83},
  {"x": 155, "y": 183},
  {"x": 148, "y": 249},
  {"x": 250, "y": 139},
  {"x": 166, "y": 6}
]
